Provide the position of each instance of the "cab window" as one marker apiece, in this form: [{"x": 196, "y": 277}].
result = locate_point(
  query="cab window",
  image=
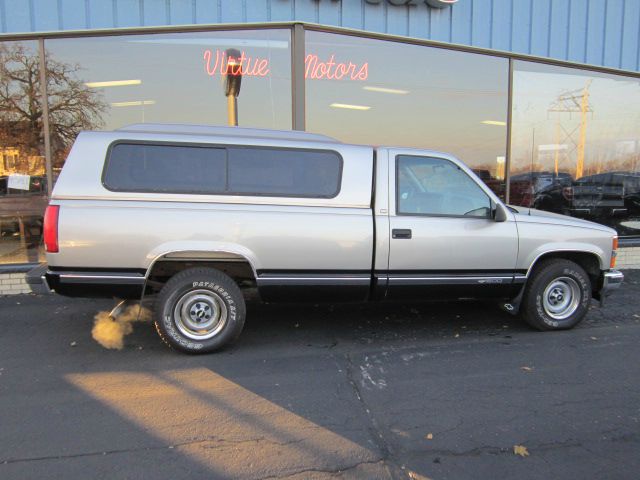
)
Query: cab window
[{"x": 438, "y": 187}]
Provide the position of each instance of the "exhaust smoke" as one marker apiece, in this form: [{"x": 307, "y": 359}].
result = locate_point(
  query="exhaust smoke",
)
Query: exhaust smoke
[{"x": 110, "y": 332}]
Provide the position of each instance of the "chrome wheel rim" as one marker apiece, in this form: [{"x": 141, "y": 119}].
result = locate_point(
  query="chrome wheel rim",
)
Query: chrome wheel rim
[
  {"x": 200, "y": 314},
  {"x": 561, "y": 298}
]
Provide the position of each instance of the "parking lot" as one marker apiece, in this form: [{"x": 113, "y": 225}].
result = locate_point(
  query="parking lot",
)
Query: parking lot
[{"x": 437, "y": 391}]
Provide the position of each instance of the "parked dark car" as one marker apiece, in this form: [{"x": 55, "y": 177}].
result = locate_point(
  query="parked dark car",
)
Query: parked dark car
[
  {"x": 526, "y": 187},
  {"x": 611, "y": 198},
  {"x": 494, "y": 183}
]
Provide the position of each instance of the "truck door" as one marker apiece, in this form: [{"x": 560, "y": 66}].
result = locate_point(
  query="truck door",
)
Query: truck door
[{"x": 444, "y": 241}]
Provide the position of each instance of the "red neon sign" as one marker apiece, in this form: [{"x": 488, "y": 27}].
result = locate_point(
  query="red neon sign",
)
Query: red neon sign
[
  {"x": 316, "y": 69},
  {"x": 219, "y": 63},
  {"x": 246, "y": 66}
]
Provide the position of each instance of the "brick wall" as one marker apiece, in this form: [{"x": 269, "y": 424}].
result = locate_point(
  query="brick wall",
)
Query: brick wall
[
  {"x": 628, "y": 257},
  {"x": 12, "y": 283}
]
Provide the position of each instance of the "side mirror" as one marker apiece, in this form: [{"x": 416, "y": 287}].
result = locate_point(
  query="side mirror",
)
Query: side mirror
[{"x": 500, "y": 213}]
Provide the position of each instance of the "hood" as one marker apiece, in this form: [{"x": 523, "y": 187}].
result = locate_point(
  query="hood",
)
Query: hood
[{"x": 531, "y": 215}]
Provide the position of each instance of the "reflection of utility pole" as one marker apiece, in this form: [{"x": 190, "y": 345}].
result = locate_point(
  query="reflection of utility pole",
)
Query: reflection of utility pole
[
  {"x": 233, "y": 79},
  {"x": 584, "y": 108},
  {"x": 557, "y": 148},
  {"x": 569, "y": 102}
]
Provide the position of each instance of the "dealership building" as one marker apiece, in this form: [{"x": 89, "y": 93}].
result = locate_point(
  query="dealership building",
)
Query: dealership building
[{"x": 541, "y": 98}]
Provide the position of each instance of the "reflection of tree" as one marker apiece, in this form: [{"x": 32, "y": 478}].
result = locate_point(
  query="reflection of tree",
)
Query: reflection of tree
[{"x": 72, "y": 105}]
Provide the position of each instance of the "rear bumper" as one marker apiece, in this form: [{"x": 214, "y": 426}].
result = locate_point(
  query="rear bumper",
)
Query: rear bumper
[{"x": 37, "y": 279}]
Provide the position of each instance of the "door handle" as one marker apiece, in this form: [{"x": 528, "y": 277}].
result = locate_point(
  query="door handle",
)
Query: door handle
[{"x": 401, "y": 233}]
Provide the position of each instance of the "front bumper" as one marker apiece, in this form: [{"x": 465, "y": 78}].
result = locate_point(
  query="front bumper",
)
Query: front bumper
[{"x": 610, "y": 281}]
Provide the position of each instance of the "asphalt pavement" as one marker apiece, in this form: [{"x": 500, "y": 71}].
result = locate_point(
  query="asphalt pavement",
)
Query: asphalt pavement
[{"x": 427, "y": 391}]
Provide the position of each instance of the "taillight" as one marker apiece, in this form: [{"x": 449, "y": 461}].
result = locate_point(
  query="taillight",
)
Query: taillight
[
  {"x": 614, "y": 253},
  {"x": 51, "y": 228}
]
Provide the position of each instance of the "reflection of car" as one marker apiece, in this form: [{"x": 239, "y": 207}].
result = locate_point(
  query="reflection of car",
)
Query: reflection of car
[
  {"x": 524, "y": 187},
  {"x": 556, "y": 196},
  {"x": 600, "y": 196},
  {"x": 611, "y": 198},
  {"x": 495, "y": 184},
  {"x": 301, "y": 217},
  {"x": 632, "y": 202}
]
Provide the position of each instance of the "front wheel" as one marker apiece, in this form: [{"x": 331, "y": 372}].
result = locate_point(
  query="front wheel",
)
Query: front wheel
[
  {"x": 199, "y": 310},
  {"x": 557, "y": 297}
]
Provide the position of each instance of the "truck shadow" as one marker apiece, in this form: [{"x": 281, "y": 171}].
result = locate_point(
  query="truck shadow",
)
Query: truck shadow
[{"x": 384, "y": 321}]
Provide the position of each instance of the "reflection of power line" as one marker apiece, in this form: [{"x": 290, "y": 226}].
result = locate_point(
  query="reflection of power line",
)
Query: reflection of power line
[{"x": 575, "y": 101}]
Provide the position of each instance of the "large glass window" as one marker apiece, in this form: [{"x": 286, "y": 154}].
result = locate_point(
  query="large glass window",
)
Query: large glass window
[
  {"x": 380, "y": 92},
  {"x": 111, "y": 81},
  {"x": 575, "y": 145},
  {"x": 23, "y": 182}
]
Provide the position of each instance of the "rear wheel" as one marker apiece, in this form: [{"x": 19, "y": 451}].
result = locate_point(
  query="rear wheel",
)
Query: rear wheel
[
  {"x": 557, "y": 297},
  {"x": 199, "y": 310}
]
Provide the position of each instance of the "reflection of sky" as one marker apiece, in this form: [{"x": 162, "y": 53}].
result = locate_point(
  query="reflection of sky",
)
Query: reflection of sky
[
  {"x": 612, "y": 128},
  {"x": 450, "y": 94},
  {"x": 171, "y": 68}
]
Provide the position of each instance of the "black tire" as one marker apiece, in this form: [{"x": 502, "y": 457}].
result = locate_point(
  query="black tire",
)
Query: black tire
[
  {"x": 199, "y": 310},
  {"x": 557, "y": 297}
]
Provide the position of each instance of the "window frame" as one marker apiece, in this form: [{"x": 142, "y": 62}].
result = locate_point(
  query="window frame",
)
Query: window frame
[
  {"x": 399, "y": 213},
  {"x": 225, "y": 147}
]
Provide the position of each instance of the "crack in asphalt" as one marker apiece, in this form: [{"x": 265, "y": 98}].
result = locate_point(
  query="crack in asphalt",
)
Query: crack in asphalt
[
  {"x": 81, "y": 455},
  {"x": 374, "y": 428},
  {"x": 329, "y": 471},
  {"x": 222, "y": 444},
  {"x": 541, "y": 447}
]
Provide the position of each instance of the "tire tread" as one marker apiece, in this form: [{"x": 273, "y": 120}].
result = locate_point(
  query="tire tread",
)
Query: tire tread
[
  {"x": 529, "y": 311},
  {"x": 212, "y": 275}
]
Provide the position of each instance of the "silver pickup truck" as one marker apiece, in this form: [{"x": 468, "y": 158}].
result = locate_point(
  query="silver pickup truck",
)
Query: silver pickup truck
[{"x": 195, "y": 214}]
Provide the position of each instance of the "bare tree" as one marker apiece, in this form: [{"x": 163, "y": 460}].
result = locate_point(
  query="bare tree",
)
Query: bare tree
[{"x": 72, "y": 105}]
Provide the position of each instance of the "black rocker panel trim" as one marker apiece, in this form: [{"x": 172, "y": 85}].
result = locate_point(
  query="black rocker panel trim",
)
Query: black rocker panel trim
[
  {"x": 311, "y": 286},
  {"x": 96, "y": 284}
]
